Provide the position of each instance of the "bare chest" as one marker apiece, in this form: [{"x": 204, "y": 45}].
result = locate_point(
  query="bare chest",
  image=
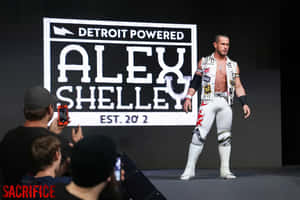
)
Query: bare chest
[{"x": 221, "y": 79}]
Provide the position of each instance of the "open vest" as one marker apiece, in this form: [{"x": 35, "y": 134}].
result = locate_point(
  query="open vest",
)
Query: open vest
[{"x": 209, "y": 69}]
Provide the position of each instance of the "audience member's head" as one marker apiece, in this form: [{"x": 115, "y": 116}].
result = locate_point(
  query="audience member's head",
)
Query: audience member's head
[
  {"x": 92, "y": 164},
  {"x": 46, "y": 154},
  {"x": 93, "y": 159},
  {"x": 38, "y": 103}
]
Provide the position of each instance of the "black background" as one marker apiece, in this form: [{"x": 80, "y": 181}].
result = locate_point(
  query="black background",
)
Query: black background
[{"x": 256, "y": 43}]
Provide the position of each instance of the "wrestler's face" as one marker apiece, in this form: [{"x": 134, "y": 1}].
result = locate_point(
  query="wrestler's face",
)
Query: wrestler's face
[{"x": 222, "y": 46}]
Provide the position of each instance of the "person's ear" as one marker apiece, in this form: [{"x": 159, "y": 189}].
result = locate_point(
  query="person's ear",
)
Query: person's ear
[
  {"x": 215, "y": 44},
  {"x": 108, "y": 179},
  {"x": 50, "y": 109},
  {"x": 57, "y": 155}
]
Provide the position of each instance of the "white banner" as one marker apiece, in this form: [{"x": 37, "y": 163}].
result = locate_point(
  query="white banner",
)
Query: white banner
[{"x": 113, "y": 73}]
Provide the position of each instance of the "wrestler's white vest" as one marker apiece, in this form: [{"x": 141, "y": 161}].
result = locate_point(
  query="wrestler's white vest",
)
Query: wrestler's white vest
[{"x": 209, "y": 69}]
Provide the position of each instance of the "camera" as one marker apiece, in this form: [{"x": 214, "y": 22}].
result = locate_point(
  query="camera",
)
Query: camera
[{"x": 63, "y": 115}]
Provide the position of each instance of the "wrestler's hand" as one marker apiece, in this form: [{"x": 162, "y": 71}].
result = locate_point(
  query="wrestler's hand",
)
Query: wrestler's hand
[
  {"x": 187, "y": 105},
  {"x": 247, "y": 111}
]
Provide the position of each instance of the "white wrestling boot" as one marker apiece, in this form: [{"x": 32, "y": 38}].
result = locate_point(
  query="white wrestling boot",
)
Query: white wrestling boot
[
  {"x": 225, "y": 172},
  {"x": 194, "y": 152}
]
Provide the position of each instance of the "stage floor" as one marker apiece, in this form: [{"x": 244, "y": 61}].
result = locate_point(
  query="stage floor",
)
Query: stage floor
[{"x": 258, "y": 184}]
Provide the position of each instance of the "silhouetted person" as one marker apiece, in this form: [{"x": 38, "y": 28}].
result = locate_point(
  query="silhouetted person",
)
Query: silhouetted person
[{"x": 92, "y": 164}]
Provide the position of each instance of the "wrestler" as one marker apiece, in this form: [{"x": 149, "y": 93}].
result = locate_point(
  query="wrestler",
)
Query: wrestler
[{"x": 219, "y": 78}]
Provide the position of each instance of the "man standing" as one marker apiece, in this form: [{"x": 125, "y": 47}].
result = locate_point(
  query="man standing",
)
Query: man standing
[
  {"x": 15, "y": 148},
  {"x": 219, "y": 78}
]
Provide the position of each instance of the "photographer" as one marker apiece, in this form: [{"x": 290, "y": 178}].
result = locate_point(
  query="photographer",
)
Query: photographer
[{"x": 15, "y": 148}]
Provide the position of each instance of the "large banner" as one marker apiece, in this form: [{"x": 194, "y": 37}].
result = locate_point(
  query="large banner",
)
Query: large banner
[{"x": 113, "y": 73}]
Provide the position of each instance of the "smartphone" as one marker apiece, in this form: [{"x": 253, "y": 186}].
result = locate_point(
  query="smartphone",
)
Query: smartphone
[
  {"x": 118, "y": 167},
  {"x": 63, "y": 115}
]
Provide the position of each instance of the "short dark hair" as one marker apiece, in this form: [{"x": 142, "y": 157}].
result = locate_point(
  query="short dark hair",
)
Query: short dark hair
[
  {"x": 220, "y": 35},
  {"x": 93, "y": 160},
  {"x": 35, "y": 115},
  {"x": 43, "y": 150}
]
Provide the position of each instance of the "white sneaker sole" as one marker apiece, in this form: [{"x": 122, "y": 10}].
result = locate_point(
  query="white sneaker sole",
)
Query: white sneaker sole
[
  {"x": 228, "y": 176},
  {"x": 186, "y": 178}
]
